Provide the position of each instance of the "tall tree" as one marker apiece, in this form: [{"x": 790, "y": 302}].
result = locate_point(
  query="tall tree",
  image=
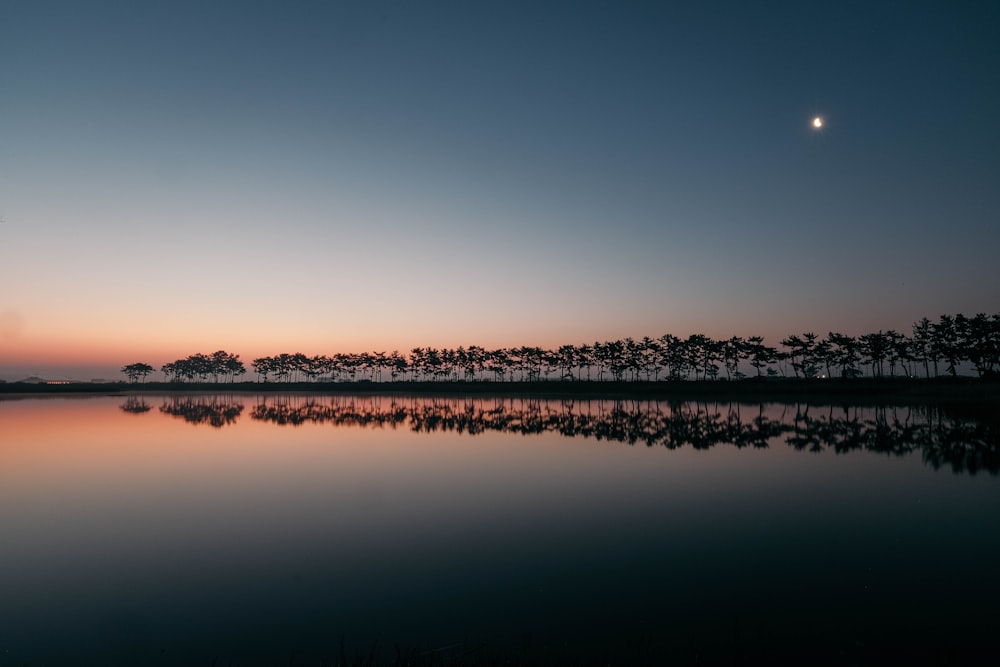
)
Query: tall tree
[
  {"x": 137, "y": 371},
  {"x": 945, "y": 342},
  {"x": 875, "y": 346},
  {"x": 732, "y": 352},
  {"x": 845, "y": 353},
  {"x": 979, "y": 341},
  {"x": 759, "y": 354},
  {"x": 921, "y": 345}
]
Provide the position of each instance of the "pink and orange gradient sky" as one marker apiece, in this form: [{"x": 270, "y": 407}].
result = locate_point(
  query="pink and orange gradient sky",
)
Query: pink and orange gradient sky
[{"x": 176, "y": 178}]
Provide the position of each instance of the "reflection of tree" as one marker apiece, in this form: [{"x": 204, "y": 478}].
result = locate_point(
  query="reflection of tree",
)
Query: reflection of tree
[
  {"x": 967, "y": 443},
  {"x": 963, "y": 439},
  {"x": 295, "y": 411},
  {"x": 215, "y": 411},
  {"x": 945, "y": 436},
  {"x": 960, "y": 438},
  {"x": 135, "y": 405}
]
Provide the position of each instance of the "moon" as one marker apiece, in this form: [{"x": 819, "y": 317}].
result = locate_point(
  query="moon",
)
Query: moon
[{"x": 817, "y": 122}]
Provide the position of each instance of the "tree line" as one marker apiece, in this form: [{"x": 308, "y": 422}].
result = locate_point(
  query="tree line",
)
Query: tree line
[
  {"x": 931, "y": 349},
  {"x": 219, "y": 366}
]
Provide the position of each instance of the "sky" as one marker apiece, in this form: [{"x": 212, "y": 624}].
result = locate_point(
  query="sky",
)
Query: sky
[{"x": 321, "y": 177}]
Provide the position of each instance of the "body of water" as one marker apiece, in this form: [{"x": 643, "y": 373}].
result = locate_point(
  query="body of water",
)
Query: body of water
[{"x": 276, "y": 530}]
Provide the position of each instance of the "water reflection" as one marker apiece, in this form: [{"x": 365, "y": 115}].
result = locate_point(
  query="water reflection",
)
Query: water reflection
[
  {"x": 151, "y": 540},
  {"x": 947, "y": 437},
  {"x": 215, "y": 411},
  {"x": 135, "y": 405}
]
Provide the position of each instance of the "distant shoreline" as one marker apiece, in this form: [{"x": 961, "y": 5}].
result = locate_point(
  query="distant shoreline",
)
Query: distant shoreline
[{"x": 836, "y": 390}]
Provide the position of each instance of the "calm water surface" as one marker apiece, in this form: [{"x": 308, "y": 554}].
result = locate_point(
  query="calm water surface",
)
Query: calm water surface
[{"x": 155, "y": 530}]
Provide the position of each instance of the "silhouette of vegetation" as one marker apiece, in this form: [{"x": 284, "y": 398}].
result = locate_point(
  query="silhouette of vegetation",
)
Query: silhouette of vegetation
[
  {"x": 960, "y": 438},
  {"x": 932, "y": 349},
  {"x": 137, "y": 371},
  {"x": 218, "y": 367}
]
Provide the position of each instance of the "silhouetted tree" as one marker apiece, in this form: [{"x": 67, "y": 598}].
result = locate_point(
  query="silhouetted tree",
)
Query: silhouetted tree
[
  {"x": 732, "y": 352},
  {"x": 137, "y": 371},
  {"x": 703, "y": 352},
  {"x": 897, "y": 351},
  {"x": 875, "y": 346},
  {"x": 844, "y": 352},
  {"x": 979, "y": 341},
  {"x": 945, "y": 342},
  {"x": 759, "y": 354},
  {"x": 953, "y": 339},
  {"x": 922, "y": 345},
  {"x": 263, "y": 366},
  {"x": 802, "y": 354},
  {"x": 650, "y": 357}
]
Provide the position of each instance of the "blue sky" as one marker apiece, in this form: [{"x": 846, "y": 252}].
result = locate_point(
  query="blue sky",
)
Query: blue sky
[{"x": 323, "y": 177}]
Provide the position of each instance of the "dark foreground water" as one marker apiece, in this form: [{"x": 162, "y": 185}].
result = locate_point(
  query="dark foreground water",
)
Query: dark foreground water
[{"x": 303, "y": 530}]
